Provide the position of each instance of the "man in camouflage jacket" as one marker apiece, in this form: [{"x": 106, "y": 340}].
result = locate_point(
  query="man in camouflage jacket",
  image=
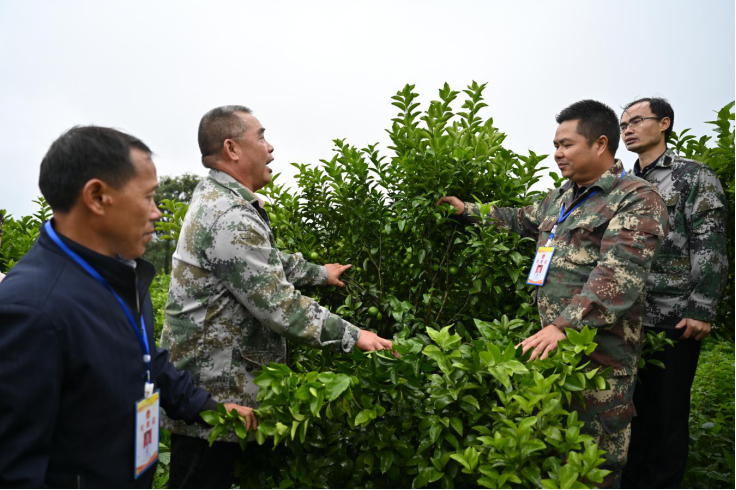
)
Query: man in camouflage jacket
[
  {"x": 604, "y": 250},
  {"x": 232, "y": 301},
  {"x": 683, "y": 290}
]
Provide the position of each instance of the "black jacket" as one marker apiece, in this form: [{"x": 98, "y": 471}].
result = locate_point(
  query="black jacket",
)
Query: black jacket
[{"x": 71, "y": 371}]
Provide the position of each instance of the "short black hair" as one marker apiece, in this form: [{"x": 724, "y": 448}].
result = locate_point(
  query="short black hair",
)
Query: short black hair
[
  {"x": 217, "y": 125},
  {"x": 595, "y": 119},
  {"x": 84, "y": 153},
  {"x": 660, "y": 107}
]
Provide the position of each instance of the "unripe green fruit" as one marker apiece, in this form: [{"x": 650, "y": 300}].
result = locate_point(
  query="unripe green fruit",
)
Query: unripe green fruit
[
  {"x": 314, "y": 256},
  {"x": 454, "y": 270},
  {"x": 373, "y": 311}
]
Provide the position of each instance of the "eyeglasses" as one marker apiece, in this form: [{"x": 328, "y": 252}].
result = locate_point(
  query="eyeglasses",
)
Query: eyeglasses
[{"x": 637, "y": 122}]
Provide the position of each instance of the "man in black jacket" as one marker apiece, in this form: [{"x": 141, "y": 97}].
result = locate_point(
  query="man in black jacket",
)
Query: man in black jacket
[{"x": 77, "y": 350}]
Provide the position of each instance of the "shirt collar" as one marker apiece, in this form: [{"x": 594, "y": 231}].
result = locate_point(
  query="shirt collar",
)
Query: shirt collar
[
  {"x": 605, "y": 182},
  {"x": 664, "y": 160},
  {"x": 227, "y": 181},
  {"x": 120, "y": 273}
]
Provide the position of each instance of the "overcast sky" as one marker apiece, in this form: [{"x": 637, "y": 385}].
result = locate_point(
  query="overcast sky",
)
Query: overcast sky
[{"x": 315, "y": 71}]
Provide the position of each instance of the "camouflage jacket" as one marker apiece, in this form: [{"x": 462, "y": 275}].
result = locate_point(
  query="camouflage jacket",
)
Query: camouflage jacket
[
  {"x": 604, "y": 250},
  {"x": 232, "y": 303},
  {"x": 691, "y": 269}
]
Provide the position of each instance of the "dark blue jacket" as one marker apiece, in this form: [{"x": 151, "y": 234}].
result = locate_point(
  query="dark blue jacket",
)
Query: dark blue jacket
[{"x": 71, "y": 371}]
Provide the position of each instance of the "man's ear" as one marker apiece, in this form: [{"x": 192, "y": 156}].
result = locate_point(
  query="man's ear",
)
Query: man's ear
[
  {"x": 665, "y": 122},
  {"x": 230, "y": 149},
  {"x": 96, "y": 196},
  {"x": 601, "y": 145}
]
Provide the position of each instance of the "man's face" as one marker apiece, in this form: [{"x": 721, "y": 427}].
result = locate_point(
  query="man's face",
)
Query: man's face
[
  {"x": 573, "y": 155},
  {"x": 255, "y": 154},
  {"x": 649, "y": 134},
  {"x": 133, "y": 209}
]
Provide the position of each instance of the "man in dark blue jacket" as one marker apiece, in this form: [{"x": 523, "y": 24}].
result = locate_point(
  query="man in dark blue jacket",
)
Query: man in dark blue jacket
[{"x": 76, "y": 324}]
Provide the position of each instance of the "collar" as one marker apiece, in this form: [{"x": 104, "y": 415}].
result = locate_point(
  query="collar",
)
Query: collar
[
  {"x": 121, "y": 274},
  {"x": 605, "y": 182},
  {"x": 228, "y": 182},
  {"x": 664, "y": 161}
]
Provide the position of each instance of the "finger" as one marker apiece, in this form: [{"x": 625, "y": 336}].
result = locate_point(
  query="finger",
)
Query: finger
[
  {"x": 339, "y": 283},
  {"x": 549, "y": 349},
  {"x": 255, "y": 420},
  {"x": 535, "y": 354},
  {"x": 386, "y": 344},
  {"x": 441, "y": 200},
  {"x": 688, "y": 332},
  {"x": 345, "y": 267},
  {"x": 682, "y": 323}
]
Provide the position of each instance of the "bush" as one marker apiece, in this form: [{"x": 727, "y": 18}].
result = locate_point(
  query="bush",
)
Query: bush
[
  {"x": 19, "y": 235},
  {"x": 711, "y": 460},
  {"x": 460, "y": 406}
]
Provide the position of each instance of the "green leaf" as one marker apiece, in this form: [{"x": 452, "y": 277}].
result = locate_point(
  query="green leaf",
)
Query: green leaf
[
  {"x": 471, "y": 400},
  {"x": 568, "y": 476},
  {"x": 363, "y": 417},
  {"x": 457, "y": 424},
  {"x": 211, "y": 417},
  {"x": 386, "y": 459},
  {"x": 335, "y": 384}
]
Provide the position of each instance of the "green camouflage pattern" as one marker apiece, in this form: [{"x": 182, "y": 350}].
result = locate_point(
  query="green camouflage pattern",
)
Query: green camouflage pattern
[
  {"x": 607, "y": 416},
  {"x": 690, "y": 272},
  {"x": 232, "y": 302},
  {"x": 604, "y": 252}
]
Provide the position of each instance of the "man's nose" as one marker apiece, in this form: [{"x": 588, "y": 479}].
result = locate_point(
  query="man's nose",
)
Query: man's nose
[{"x": 156, "y": 214}]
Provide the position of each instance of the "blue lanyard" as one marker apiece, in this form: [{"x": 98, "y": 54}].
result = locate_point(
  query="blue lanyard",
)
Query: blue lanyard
[
  {"x": 563, "y": 216},
  {"x": 139, "y": 332}
]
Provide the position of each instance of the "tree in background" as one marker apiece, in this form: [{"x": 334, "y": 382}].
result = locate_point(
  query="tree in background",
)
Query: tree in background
[{"x": 173, "y": 195}]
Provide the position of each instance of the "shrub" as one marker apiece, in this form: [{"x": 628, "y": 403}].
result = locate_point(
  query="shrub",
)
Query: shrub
[
  {"x": 460, "y": 406},
  {"x": 711, "y": 460}
]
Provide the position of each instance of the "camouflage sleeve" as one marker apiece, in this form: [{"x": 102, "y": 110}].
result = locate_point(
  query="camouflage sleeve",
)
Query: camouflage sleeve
[
  {"x": 708, "y": 246},
  {"x": 628, "y": 247},
  {"x": 241, "y": 256},
  {"x": 299, "y": 272},
  {"x": 523, "y": 221}
]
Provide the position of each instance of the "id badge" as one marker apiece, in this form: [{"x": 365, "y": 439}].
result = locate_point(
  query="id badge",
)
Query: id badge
[
  {"x": 147, "y": 412},
  {"x": 540, "y": 266}
]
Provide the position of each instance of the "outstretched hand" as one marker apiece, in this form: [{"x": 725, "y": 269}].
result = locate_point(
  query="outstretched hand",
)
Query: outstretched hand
[
  {"x": 543, "y": 342},
  {"x": 333, "y": 273},
  {"x": 368, "y": 341},
  {"x": 251, "y": 422},
  {"x": 454, "y": 202}
]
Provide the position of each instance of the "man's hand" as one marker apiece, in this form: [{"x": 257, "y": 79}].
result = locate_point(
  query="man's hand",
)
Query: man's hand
[
  {"x": 454, "y": 202},
  {"x": 251, "y": 423},
  {"x": 543, "y": 342},
  {"x": 694, "y": 328},
  {"x": 368, "y": 341},
  {"x": 333, "y": 273}
]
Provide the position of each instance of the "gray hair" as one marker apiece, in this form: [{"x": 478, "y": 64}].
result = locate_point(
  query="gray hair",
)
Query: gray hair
[{"x": 217, "y": 125}]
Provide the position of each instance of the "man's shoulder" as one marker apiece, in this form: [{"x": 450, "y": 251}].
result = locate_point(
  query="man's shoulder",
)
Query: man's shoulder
[
  {"x": 211, "y": 201},
  {"x": 691, "y": 170},
  {"x": 36, "y": 283},
  {"x": 633, "y": 188}
]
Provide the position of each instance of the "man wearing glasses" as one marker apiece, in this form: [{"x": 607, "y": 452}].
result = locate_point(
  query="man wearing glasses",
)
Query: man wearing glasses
[{"x": 683, "y": 290}]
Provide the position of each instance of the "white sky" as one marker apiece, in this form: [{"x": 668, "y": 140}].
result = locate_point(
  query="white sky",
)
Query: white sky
[{"x": 315, "y": 71}]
